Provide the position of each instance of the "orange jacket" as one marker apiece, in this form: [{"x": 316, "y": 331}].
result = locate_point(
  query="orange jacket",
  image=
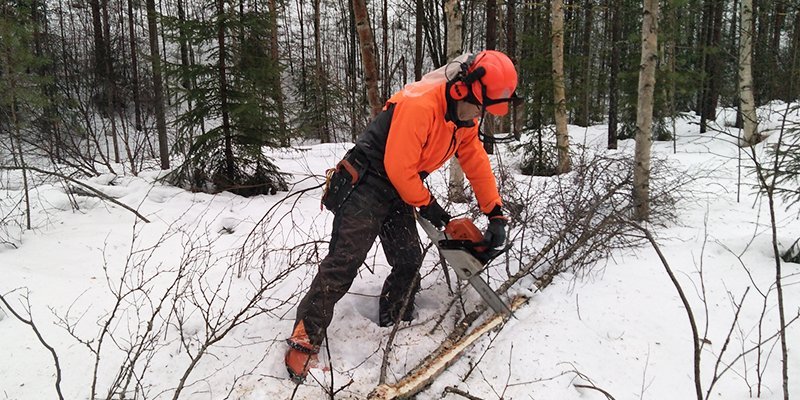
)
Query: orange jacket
[{"x": 421, "y": 140}]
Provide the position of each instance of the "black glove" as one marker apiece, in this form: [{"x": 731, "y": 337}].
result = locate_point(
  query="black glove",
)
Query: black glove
[
  {"x": 435, "y": 213},
  {"x": 495, "y": 235}
]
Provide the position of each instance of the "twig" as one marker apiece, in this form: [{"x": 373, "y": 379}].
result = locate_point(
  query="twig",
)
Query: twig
[
  {"x": 44, "y": 343},
  {"x": 455, "y": 390},
  {"x": 686, "y": 305},
  {"x": 77, "y": 182},
  {"x": 608, "y": 395}
]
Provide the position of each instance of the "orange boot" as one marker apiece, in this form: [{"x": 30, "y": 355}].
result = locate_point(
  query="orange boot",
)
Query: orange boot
[{"x": 301, "y": 356}]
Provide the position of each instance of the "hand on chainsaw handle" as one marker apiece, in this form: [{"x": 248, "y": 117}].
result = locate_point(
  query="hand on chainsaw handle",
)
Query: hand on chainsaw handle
[
  {"x": 495, "y": 235},
  {"x": 435, "y": 213}
]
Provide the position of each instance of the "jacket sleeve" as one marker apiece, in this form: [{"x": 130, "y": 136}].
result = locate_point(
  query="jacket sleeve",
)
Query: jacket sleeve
[
  {"x": 478, "y": 170},
  {"x": 407, "y": 135}
]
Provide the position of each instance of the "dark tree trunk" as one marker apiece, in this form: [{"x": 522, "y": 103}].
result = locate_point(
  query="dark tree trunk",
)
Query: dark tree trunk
[
  {"x": 386, "y": 73},
  {"x": 716, "y": 60},
  {"x": 184, "y": 46},
  {"x": 419, "y": 23},
  {"x": 303, "y": 75},
  {"x": 352, "y": 68},
  {"x": 712, "y": 36},
  {"x": 277, "y": 93},
  {"x": 778, "y": 66},
  {"x": 491, "y": 44},
  {"x": 321, "y": 81},
  {"x": 795, "y": 65},
  {"x": 223, "y": 91},
  {"x": 110, "y": 83},
  {"x": 158, "y": 88},
  {"x": 616, "y": 37},
  {"x": 491, "y": 24},
  {"x": 517, "y": 113},
  {"x": 99, "y": 43},
  {"x": 762, "y": 69},
  {"x": 137, "y": 100},
  {"x": 582, "y": 118}
]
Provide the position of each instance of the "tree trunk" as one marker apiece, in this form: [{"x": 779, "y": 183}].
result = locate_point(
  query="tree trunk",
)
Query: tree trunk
[
  {"x": 517, "y": 112},
  {"x": 747, "y": 101},
  {"x": 491, "y": 24},
  {"x": 705, "y": 48},
  {"x": 644, "y": 108},
  {"x": 352, "y": 68},
  {"x": 583, "y": 117},
  {"x": 559, "y": 92},
  {"x": 386, "y": 73},
  {"x": 137, "y": 99},
  {"x": 16, "y": 133},
  {"x": 456, "y": 191},
  {"x": 183, "y": 45},
  {"x": 303, "y": 75},
  {"x": 110, "y": 83},
  {"x": 616, "y": 36},
  {"x": 277, "y": 93},
  {"x": 99, "y": 43},
  {"x": 795, "y": 71},
  {"x": 712, "y": 61},
  {"x": 321, "y": 81},
  {"x": 418, "y": 24},
  {"x": 367, "y": 44},
  {"x": 158, "y": 88},
  {"x": 776, "y": 66},
  {"x": 223, "y": 91},
  {"x": 491, "y": 44}
]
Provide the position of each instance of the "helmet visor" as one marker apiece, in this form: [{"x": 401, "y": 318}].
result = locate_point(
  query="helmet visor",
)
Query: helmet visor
[{"x": 499, "y": 106}]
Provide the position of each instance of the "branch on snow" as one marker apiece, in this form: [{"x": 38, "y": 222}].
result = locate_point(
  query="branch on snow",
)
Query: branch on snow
[{"x": 85, "y": 186}]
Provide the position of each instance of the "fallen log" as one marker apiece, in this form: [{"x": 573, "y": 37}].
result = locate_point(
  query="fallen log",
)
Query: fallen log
[{"x": 439, "y": 361}]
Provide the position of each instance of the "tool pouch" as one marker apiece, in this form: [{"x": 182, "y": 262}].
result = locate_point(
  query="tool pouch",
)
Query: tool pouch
[{"x": 341, "y": 180}]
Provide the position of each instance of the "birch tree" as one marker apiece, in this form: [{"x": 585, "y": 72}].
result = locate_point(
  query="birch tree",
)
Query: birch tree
[
  {"x": 455, "y": 25},
  {"x": 644, "y": 107},
  {"x": 746, "y": 97},
  {"x": 367, "y": 44},
  {"x": 559, "y": 92}
]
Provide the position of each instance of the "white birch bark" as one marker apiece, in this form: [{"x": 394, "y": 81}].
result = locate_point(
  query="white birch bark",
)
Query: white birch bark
[
  {"x": 456, "y": 191},
  {"x": 748, "y": 106},
  {"x": 644, "y": 114},
  {"x": 559, "y": 92}
]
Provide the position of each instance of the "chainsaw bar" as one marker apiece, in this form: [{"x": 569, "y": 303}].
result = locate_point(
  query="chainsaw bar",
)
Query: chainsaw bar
[{"x": 466, "y": 266}]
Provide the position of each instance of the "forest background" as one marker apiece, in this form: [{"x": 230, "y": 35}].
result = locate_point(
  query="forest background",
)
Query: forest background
[{"x": 209, "y": 91}]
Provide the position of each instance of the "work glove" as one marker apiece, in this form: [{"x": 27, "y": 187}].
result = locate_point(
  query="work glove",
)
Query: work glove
[
  {"x": 495, "y": 235},
  {"x": 435, "y": 213}
]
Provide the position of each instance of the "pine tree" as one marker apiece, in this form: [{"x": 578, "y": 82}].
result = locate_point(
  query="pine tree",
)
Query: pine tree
[
  {"x": 21, "y": 98},
  {"x": 536, "y": 84},
  {"x": 231, "y": 96}
]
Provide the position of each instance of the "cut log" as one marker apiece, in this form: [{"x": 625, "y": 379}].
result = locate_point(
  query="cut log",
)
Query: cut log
[{"x": 422, "y": 376}]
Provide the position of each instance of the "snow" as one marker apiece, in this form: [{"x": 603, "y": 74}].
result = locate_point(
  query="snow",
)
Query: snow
[{"x": 622, "y": 329}]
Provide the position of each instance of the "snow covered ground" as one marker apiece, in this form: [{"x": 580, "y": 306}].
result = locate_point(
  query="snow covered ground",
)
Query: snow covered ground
[{"x": 623, "y": 330}]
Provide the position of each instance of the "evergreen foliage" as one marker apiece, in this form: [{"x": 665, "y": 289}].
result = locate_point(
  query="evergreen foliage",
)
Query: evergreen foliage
[
  {"x": 241, "y": 115},
  {"x": 536, "y": 86},
  {"x": 787, "y": 173},
  {"x": 21, "y": 98}
]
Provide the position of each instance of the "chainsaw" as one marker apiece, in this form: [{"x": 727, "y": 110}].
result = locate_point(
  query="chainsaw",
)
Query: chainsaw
[{"x": 461, "y": 244}]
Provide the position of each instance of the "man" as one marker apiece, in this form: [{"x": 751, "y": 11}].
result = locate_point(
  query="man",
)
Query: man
[{"x": 375, "y": 188}]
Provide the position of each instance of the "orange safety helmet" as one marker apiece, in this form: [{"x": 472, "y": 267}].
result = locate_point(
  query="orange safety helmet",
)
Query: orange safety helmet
[{"x": 492, "y": 81}]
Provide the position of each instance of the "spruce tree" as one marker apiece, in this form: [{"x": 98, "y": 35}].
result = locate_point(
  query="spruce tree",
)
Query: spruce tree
[{"x": 233, "y": 116}]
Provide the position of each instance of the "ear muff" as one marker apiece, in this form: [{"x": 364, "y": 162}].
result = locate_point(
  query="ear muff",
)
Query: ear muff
[{"x": 459, "y": 90}]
